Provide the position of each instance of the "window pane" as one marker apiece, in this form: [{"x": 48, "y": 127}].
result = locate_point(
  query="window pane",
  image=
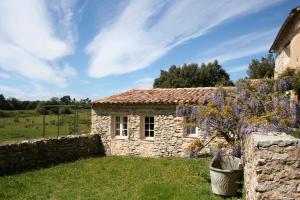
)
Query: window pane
[
  {"x": 146, "y": 133},
  {"x": 118, "y": 125},
  {"x": 117, "y": 119},
  {"x": 125, "y": 120},
  {"x": 124, "y": 126},
  {"x": 151, "y": 126},
  {"x": 146, "y": 126},
  {"x": 151, "y": 119},
  {"x": 117, "y": 132},
  {"x": 146, "y": 119},
  {"x": 151, "y": 133},
  {"x": 191, "y": 130},
  {"x": 124, "y": 133}
]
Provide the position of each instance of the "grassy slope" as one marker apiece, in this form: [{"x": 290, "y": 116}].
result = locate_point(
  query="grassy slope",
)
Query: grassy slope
[
  {"x": 113, "y": 178},
  {"x": 27, "y": 124}
]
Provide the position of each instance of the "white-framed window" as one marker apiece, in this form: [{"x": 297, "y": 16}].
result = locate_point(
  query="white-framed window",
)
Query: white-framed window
[
  {"x": 121, "y": 126},
  {"x": 191, "y": 130},
  {"x": 149, "y": 127}
]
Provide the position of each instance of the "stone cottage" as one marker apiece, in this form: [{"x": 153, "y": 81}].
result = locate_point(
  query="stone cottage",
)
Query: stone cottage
[
  {"x": 143, "y": 121},
  {"x": 287, "y": 43}
]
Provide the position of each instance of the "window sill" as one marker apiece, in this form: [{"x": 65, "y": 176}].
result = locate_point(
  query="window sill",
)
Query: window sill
[
  {"x": 192, "y": 136},
  {"x": 149, "y": 138},
  {"x": 121, "y": 137}
]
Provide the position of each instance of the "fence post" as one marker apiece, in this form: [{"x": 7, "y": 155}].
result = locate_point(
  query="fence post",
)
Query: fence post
[
  {"x": 77, "y": 128},
  {"x": 58, "y": 123},
  {"x": 44, "y": 125}
]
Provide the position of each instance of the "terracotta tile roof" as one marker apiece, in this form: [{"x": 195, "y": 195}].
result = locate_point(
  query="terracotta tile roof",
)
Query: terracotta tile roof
[
  {"x": 294, "y": 13},
  {"x": 159, "y": 96}
]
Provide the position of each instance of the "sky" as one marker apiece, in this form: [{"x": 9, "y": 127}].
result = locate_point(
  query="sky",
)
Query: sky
[{"x": 97, "y": 48}]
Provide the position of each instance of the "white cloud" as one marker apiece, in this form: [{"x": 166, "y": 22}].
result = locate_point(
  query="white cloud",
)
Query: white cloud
[
  {"x": 29, "y": 43},
  {"x": 148, "y": 29},
  {"x": 235, "y": 69},
  {"x": 69, "y": 71},
  {"x": 144, "y": 82},
  {"x": 35, "y": 92},
  {"x": 239, "y": 47}
]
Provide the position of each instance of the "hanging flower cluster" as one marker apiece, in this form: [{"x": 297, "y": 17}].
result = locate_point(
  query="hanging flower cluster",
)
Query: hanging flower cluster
[{"x": 262, "y": 106}]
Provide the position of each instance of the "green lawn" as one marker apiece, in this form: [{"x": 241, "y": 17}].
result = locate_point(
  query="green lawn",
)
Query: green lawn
[
  {"x": 28, "y": 124},
  {"x": 113, "y": 178}
]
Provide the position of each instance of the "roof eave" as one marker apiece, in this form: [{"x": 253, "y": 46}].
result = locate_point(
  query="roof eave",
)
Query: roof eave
[{"x": 286, "y": 23}]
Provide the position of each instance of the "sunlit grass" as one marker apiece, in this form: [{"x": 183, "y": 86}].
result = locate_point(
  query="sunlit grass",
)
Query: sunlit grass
[
  {"x": 114, "y": 178},
  {"x": 27, "y": 125}
]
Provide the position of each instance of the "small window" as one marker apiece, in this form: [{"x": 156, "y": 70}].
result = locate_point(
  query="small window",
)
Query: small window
[
  {"x": 149, "y": 127},
  {"x": 191, "y": 128},
  {"x": 121, "y": 126}
]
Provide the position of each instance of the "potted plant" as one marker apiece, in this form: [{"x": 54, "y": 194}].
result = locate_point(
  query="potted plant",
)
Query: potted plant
[{"x": 233, "y": 113}]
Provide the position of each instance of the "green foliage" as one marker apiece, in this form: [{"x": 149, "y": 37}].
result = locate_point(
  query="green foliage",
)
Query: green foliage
[
  {"x": 191, "y": 75},
  {"x": 263, "y": 68},
  {"x": 114, "y": 178},
  {"x": 15, "y": 104},
  {"x": 294, "y": 76}
]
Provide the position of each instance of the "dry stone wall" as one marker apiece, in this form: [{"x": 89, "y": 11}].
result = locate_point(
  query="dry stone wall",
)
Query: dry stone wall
[
  {"x": 272, "y": 167},
  {"x": 169, "y": 139},
  {"x": 37, "y": 153}
]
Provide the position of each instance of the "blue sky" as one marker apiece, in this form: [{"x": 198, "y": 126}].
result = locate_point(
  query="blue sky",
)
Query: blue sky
[{"x": 96, "y": 48}]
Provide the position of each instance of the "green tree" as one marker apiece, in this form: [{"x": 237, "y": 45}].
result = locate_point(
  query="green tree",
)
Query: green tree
[
  {"x": 191, "y": 75},
  {"x": 263, "y": 68},
  {"x": 66, "y": 100},
  {"x": 2, "y": 102}
]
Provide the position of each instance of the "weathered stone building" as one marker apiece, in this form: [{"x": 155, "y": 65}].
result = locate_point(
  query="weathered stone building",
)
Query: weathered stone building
[
  {"x": 144, "y": 122},
  {"x": 287, "y": 43}
]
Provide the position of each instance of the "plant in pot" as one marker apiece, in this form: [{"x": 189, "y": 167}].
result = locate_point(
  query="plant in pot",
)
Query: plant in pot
[{"x": 233, "y": 113}]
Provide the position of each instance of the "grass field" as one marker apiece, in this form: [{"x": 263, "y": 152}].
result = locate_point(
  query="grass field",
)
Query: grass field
[
  {"x": 114, "y": 178},
  {"x": 28, "y": 124}
]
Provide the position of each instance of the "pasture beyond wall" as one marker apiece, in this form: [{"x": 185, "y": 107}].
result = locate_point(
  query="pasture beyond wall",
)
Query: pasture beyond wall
[
  {"x": 31, "y": 154},
  {"x": 272, "y": 167}
]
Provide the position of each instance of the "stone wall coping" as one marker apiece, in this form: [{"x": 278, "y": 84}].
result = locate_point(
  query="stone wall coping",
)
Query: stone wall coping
[
  {"x": 42, "y": 139},
  {"x": 281, "y": 139}
]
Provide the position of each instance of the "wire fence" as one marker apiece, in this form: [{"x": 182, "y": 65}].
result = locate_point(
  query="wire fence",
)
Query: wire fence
[{"x": 59, "y": 120}]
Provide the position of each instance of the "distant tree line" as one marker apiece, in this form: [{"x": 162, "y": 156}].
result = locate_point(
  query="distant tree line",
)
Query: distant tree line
[
  {"x": 211, "y": 74},
  {"x": 43, "y": 106}
]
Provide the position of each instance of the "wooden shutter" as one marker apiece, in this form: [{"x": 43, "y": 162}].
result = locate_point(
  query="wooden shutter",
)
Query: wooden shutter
[
  {"x": 112, "y": 126},
  {"x": 142, "y": 127}
]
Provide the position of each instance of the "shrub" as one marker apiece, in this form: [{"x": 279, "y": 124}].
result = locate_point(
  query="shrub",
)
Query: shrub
[
  {"x": 66, "y": 110},
  {"x": 16, "y": 119}
]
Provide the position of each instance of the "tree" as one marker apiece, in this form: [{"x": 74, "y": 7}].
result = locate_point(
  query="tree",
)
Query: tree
[
  {"x": 263, "y": 68},
  {"x": 212, "y": 74},
  {"x": 2, "y": 102},
  {"x": 66, "y": 100},
  {"x": 191, "y": 75},
  {"x": 264, "y": 106}
]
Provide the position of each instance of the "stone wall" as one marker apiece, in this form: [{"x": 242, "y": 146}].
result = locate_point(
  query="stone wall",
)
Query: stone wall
[
  {"x": 272, "y": 167},
  {"x": 169, "y": 138},
  {"x": 288, "y": 53},
  {"x": 30, "y": 154}
]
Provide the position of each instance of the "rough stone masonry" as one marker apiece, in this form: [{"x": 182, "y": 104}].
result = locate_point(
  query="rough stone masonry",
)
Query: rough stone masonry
[
  {"x": 272, "y": 167},
  {"x": 169, "y": 137},
  {"x": 30, "y": 154}
]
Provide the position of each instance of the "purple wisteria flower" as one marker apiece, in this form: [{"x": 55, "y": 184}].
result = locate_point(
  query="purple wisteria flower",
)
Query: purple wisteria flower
[
  {"x": 237, "y": 151},
  {"x": 263, "y": 89},
  {"x": 217, "y": 155},
  {"x": 283, "y": 85}
]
